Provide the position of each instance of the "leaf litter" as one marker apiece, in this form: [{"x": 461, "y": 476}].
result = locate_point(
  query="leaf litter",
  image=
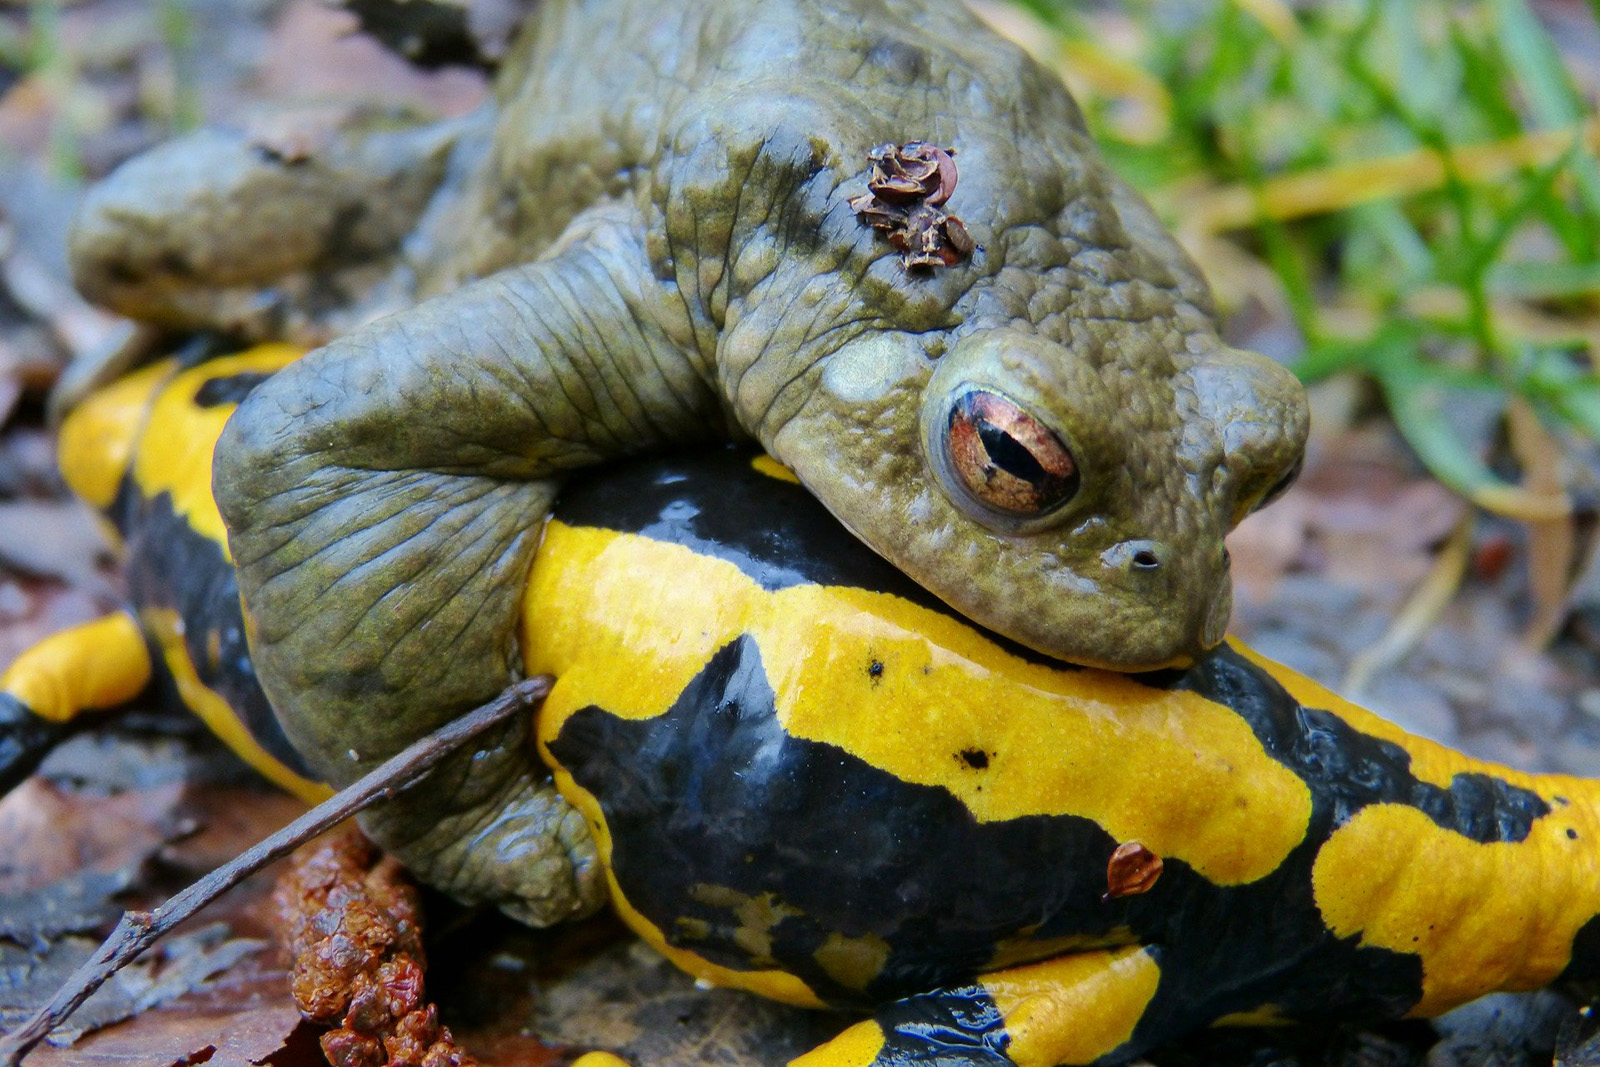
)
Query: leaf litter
[{"x": 74, "y": 861}]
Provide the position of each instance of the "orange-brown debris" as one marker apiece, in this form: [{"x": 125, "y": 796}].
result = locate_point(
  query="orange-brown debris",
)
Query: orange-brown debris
[
  {"x": 909, "y": 182},
  {"x": 353, "y": 926},
  {"x": 1133, "y": 869}
]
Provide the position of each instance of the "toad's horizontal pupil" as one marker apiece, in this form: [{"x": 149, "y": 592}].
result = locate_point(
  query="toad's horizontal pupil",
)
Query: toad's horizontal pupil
[{"x": 1009, "y": 454}]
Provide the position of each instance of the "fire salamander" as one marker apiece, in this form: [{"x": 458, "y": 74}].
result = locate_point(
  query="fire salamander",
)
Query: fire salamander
[
  {"x": 139, "y": 451},
  {"x": 812, "y": 780}
]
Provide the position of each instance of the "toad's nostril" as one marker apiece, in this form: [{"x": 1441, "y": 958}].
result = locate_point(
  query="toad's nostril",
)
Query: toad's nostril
[{"x": 1136, "y": 556}]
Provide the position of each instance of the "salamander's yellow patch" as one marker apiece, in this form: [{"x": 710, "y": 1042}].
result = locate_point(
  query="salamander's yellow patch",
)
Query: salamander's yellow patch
[
  {"x": 758, "y": 917},
  {"x": 166, "y": 626},
  {"x": 600, "y": 1059},
  {"x": 92, "y": 667},
  {"x": 1075, "y": 1009},
  {"x": 98, "y": 437},
  {"x": 917, "y": 694},
  {"x": 858, "y": 1046},
  {"x": 177, "y": 461},
  {"x": 773, "y": 469},
  {"x": 853, "y": 962},
  {"x": 578, "y": 621},
  {"x": 1024, "y": 948},
  {"x": 1483, "y": 917}
]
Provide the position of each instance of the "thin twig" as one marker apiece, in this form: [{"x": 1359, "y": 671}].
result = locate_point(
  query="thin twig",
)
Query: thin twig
[{"x": 138, "y": 930}]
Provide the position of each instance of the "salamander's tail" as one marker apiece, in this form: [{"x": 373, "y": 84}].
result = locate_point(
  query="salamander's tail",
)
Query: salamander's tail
[
  {"x": 1490, "y": 876},
  {"x": 93, "y": 667}
]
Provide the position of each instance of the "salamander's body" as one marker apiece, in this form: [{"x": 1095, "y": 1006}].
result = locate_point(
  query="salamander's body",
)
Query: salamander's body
[{"x": 810, "y": 779}]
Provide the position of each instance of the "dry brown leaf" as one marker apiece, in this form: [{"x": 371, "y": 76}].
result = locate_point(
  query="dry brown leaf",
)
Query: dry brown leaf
[
  {"x": 239, "y": 1020},
  {"x": 47, "y": 834},
  {"x": 229, "y": 819},
  {"x": 1553, "y": 542},
  {"x": 313, "y": 54},
  {"x": 173, "y": 1036},
  {"x": 53, "y": 539}
]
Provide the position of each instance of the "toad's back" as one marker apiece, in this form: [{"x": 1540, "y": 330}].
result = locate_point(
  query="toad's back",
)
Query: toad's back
[{"x": 612, "y": 99}]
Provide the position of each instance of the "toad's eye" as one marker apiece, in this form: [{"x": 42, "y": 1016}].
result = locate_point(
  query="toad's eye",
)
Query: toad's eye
[{"x": 1006, "y": 458}]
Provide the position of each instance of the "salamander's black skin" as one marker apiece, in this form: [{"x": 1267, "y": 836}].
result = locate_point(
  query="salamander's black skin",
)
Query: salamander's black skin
[
  {"x": 229, "y": 390},
  {"x": 172, "y": 567},
  {"x": 954, "y": 1026},
  {"x": 25, "y": 740}
]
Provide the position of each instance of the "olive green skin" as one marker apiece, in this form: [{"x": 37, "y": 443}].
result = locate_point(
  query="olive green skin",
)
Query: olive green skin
[{"x": 644, "y": 242}]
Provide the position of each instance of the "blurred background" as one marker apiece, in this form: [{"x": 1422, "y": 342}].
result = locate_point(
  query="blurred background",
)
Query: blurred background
[{"x": 1400, "y": 199}]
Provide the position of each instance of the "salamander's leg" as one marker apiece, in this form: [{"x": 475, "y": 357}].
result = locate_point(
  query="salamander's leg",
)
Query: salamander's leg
[
  {"x": 93, "y": 667},
  {"x": 384, "y": 498},
  {"x": 1072, "y": 1010}
]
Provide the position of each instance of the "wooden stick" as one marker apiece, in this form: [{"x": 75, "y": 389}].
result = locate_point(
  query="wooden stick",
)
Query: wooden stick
[{"x": 138, "y": 930}]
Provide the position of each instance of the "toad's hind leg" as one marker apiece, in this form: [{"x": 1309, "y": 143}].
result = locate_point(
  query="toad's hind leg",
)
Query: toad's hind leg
[
  {"x": 220, "y": 230},
  {"x": 1077, "y": 1009},
  {"x": 93, "y": 667}
]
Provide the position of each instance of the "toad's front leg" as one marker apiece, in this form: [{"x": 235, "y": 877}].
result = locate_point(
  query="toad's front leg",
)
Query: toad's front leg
[{"x": 384, "y": 498}]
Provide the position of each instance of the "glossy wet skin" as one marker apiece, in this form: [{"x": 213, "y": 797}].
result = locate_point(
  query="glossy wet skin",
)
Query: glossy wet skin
[{"x": 646, "y": 242}]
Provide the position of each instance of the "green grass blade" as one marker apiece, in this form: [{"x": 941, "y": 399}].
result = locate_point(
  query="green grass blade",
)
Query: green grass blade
[
  {"x": 1418, "y": 403},
  {"x": 1546, "y": 281},
  {"x": 1483, "y": 253},
  {"x": 1542, "y": 76}
]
